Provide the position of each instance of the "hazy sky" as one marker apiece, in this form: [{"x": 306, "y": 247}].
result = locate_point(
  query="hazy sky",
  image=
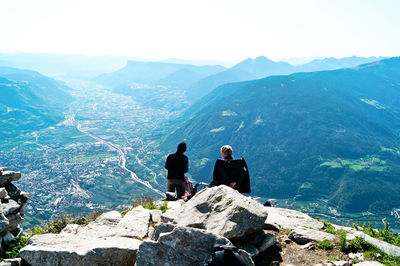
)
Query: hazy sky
[{"x": 217, "y": 29}]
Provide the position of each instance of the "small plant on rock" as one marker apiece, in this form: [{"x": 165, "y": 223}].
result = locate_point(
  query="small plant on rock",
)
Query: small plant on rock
[
  {"x": 325, "y": 244},
  {"x": 333, "y": 258},
  {"x": 11, "y": 250}
]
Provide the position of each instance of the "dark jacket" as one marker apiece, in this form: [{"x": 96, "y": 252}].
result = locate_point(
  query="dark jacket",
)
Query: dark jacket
[
  {"x": 228, "y": 171},
  {"x": 177, "y": 166}
]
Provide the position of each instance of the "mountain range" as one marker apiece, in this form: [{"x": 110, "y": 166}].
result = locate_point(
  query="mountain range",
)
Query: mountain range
[
  {"x": 330, "y": 135},
  {"x": 198, "y": 81},
  {"x": 30, "y": 101}
]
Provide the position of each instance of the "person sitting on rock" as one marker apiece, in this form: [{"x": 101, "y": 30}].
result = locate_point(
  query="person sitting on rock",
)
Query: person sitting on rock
[
  {"x": 177, "y": 166},
  {"x": 231, "y": 172}
]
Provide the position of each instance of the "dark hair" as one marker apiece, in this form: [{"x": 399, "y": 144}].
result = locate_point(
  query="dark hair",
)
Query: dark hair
[{"x": 182, "y": 147}]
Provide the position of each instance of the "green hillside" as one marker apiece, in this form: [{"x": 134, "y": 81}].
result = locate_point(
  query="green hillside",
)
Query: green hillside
[
  {"x": 322, "y": 135},
  {"x": 29, "y": 101}
]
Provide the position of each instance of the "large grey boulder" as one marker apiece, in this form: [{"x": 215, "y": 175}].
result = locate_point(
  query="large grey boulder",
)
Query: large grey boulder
[
  {"x": 222, "y": 211},
  {"x": 183, "y": 246},
  {"x": 71, "y": 249},
  {"x": 303, "y": 236},
  {"x": 134, "y": 224},
  {"x": 290, "y": 219}
]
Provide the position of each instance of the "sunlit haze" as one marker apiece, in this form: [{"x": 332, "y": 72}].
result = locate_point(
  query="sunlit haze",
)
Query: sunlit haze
[{"x": 222, "y": 30}]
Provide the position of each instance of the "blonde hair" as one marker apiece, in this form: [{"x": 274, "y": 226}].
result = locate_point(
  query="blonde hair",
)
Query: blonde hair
[{"x": 227, "y": 149}]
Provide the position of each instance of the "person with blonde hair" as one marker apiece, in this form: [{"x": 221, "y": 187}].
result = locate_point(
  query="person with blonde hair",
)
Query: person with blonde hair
[{"x": 231, "y": 172}]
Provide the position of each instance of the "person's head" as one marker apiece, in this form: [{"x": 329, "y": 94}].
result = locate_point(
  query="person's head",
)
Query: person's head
[
  {"x": 181, "y": 147},
  {"x": 226, "y": 151}
]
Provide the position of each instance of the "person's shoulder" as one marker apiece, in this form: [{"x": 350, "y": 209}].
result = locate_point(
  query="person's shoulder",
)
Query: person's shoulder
[{"x": 172, "y": 154}]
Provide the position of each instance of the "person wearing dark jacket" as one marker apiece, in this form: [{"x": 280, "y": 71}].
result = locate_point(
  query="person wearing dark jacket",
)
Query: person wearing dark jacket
[
  {"x": 177, "y": 165},
  {"x": 231, "y": 172}
]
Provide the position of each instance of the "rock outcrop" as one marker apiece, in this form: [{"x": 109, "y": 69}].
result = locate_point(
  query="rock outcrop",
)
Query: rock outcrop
[
  {"x": 12, "y": 207},
  {"x": 97, "y": 243},
  {"x": 187, "y": 234},
  {"x": 289, "y": 219},
  {"x": 222, "y": 211}
]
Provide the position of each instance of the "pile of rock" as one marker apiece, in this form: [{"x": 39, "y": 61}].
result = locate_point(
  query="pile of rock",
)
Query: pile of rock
[
  {"x": 184, "y": 235},
  {"x": 13, "y": 204},
  {"x": 187, "y": 234},
  {"x": 219, "y": 215}
]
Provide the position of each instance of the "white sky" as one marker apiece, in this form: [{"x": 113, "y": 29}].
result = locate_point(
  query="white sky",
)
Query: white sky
[{"x": 217, "y": 29}]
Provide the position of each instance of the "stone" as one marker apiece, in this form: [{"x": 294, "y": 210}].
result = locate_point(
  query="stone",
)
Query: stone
[
  {"x": 303, "y": 236},
  {"x": 103, "y": 226},
  {"x": 255, "y": 237},
  {"x": 340, "y": 263},
  {"x": 109, "y": 218},
  {"x": 12, "y": 190},
  {"x": 8, "y": 237},
  {"x": 150, "y": 231},
  {"x": 368, "y": 263},
  {"x": 22, "y": 200},
  {"x": 222, "y": 211},
  {"x": 290, "y": 219},
  {"x": 12, "y": 262},
  {"x": 268, "y": 242},
  {"x": 309, "y": 246},
  {"x": 14, "y": 220},
  {"x": 155, "y": 216},
  {"x": 134, "y": 224},
  {"x": 10, "y": 207},
  {"x": 161, "y": 228},
  {"x": 4, "y": 223},
  {"x": 17, "y": 232},
  {"x": 3, "y": 193},
  {"x": 183, "y": 246},
  {"x": 169, "y": 216},
  {"x": 70, "y": 229},
  {"x": 287, "y": 240},
  {"x": 247, "y": 258},
  {"x": 69, "y": 249},
  {"x": 249, "y": 248},
  {"x": 173, "y": 208},
  {"x": 8, "y": 176},
  {"x": 3, "y": 169},
  {"x": 384, "y": 246},
  {"x": 173, "y": 205},
  {"x": 271, "y": 226},
  {"x": 359, "y": 256}
]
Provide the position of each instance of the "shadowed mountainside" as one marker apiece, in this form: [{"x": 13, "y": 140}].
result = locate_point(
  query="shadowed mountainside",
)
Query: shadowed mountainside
[{"x": 329, "y": 135}]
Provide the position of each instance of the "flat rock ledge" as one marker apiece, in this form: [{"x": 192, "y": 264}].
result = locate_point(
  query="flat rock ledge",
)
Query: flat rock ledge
[
  {"x": 303, "y": 236},
  {"x": 67, "y": 249},
  {"x": 289, "y": 219},
  {"x": 109, "y": 240}
]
